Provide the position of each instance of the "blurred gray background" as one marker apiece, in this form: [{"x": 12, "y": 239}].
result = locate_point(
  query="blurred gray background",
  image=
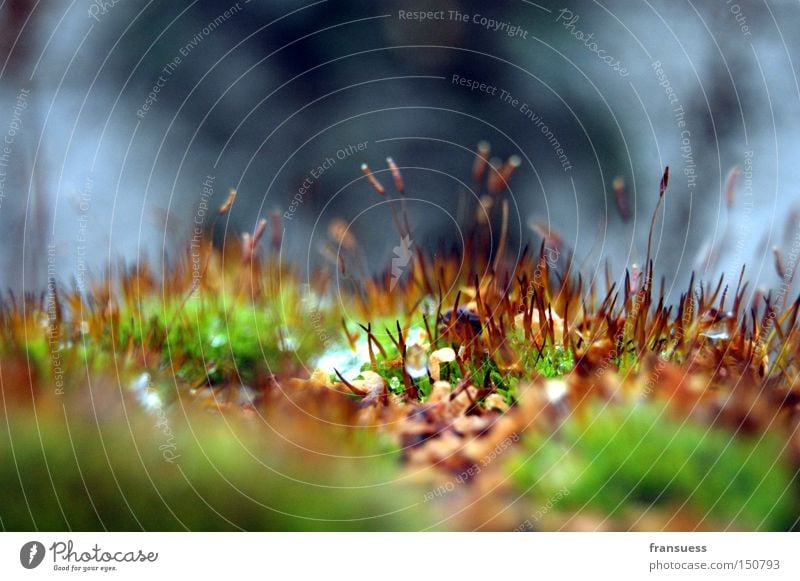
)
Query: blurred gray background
[{"x": 264, "y": 92}]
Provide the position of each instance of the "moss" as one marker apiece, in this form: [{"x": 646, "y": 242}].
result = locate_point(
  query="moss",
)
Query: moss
[
  {"x": 555, "y": 362},
  {"x": 617, "y": 457},
  {"x": 80, "y": 477},
  {"x": 253, "y": 320}
]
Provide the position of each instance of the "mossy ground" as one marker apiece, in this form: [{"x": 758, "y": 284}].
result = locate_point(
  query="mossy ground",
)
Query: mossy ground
[{"x": 249, "y": 401}]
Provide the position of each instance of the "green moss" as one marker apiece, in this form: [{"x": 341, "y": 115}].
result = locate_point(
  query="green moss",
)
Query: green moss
[
  {"x": 226, "y": 340},
  {"x": 620, "y": 456},
  {"x": 85, "y": 477},
  {"x": 554, "y": 362}
]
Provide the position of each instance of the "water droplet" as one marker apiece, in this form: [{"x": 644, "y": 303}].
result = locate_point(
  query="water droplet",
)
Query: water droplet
[
  {"x": 716, "y": 334},
  {"x": 416, "y": 361},
  {"x": 287, "y": 341},
  {"x": 428, "y": 306},
  {"x": 151, "y": 401},
  {"x": 141, "y": 383},
  {"x": 344, "y": 360},
  {"x": 555, "y": 390},
  {"x": 416, "y": 336}
]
